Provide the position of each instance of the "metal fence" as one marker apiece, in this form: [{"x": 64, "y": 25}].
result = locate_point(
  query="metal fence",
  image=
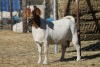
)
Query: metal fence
[{"x": 89, "y": 31}]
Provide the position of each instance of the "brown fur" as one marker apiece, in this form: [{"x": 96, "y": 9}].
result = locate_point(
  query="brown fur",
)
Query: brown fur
[{"x": 36, "y": 17}]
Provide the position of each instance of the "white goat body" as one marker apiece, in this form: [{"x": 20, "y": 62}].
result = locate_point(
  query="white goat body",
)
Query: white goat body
[{"x": 60, "y": 32}]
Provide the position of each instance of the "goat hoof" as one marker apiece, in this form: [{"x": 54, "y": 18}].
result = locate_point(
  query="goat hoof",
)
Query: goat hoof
[
  {"x": 39, "y": 62},
  {"x": 45, "y": 63},
  {"x": 78, "y": 59},
  {"x": 62, "y": 59}
]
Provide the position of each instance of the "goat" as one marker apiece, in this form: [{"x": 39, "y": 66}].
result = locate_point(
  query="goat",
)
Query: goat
[{"x": 61, "y": 31}]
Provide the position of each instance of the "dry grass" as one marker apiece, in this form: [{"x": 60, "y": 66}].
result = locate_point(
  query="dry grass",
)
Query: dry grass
[{"x": 19, "y": 50}]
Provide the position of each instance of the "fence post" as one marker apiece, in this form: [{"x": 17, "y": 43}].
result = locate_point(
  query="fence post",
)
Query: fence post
[
  {"x": 78, "y": 23},
  {"x": 1, "y": 16},
  {"x": 24, "y": 18},
  {"x": 55, "y": 18},
  {"x": 66, "y": 8},
  {"x": 11, "y": 14},
  {"x": 44, "y": 4}
]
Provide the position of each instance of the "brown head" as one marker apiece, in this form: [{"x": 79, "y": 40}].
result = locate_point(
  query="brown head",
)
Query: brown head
[
  {"x": 36, "y": 19},
  {"x": 36, "y": 11}
]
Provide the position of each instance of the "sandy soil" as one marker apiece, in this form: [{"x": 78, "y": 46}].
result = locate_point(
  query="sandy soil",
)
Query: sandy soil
[{"x": 19, "y": 50}]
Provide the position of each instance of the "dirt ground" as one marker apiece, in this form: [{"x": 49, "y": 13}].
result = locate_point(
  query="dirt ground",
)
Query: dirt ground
[{"x": 19, "y": 50}]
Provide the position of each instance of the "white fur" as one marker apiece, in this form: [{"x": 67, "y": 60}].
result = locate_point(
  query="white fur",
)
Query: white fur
[{"x": 58, "y": 32}]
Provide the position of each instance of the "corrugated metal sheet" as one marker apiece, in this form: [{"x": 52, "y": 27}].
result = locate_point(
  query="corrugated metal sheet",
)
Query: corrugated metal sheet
[{"x": 5, "y": 5}]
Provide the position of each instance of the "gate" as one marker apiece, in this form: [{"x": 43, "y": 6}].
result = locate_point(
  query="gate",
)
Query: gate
[
  {"x": 89, "y": 31},
  {"x": 89, "y": 17}
]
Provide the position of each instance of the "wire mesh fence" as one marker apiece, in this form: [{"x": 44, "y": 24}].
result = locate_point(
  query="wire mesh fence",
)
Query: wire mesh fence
[{"x": 88, "y": 29}]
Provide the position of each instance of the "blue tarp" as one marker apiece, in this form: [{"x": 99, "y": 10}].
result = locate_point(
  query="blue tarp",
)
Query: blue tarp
[
  {"x": 50, "y": 19},
  {"x": 5, "y": 5},
  {"x": 16, "y": 5}
]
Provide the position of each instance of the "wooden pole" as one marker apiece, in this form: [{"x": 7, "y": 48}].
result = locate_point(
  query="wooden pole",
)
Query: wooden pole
[
  {"x": 66, "y": 8},
  {"x": 24, "y": 18},
  {"x": 11, "y": 14},
  {"x": 1, "y": 26},
  {"x": 78, "y": 23}
]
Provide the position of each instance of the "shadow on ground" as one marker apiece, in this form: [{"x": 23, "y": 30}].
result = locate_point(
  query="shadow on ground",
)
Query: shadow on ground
[
  {"x": 92, "y": 47},
  {"x": 82, "y": 58}
]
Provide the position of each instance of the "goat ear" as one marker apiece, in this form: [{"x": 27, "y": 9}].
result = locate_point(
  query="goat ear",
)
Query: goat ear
[{"x": 38, "y": 13}]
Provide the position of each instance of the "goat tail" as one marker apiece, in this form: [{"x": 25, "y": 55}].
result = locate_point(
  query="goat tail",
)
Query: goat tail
[{"x": 70, "y": 17}]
